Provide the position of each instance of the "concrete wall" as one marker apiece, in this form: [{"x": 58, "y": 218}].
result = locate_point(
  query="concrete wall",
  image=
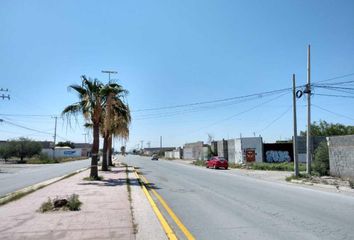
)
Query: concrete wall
[
  {"x": 341, "y": 156},
  {"x": 222, "y": 147},
  {"x": 231, "y": 150},
  {"x": 301, "y": 143},
  {"x": 238, "y": 151},
  {"x": 63, "y": 152},
  {"x": 255, "y": 143},
  {"x": 235, "y": 151},
  {"x": 278, "y": 152},
  {"x": 193, "y": 151},
  {"x": 175, "y": 154},
  {"x": 214, "y": 147}
]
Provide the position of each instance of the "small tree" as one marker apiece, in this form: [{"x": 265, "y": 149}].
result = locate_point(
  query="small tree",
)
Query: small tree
[
  {"x": 66, "y": 144},
  {"x": 24, "y": 147},
  {"x": 5, "y": 151},
  {"x": 320, "y": 163}
]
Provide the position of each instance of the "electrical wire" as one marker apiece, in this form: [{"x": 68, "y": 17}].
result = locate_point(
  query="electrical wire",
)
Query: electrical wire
[
  {"x": 338, "y": 77},
  {"x": 242, "y": 112},
  {"x": 193, "y": 110},
  {"x": 28, "y": 115},
  {"x": 214, "y": 101},
  {"x": 24, "y": 127},
  {"x": 276, "y": 119},
  {"x": 32, "y": 129},
  {"x": 338, "y": 114},
  {"x": 333, "y": 95}
]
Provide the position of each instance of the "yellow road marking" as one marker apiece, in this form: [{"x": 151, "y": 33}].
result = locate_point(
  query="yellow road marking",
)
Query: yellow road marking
[
  {"x": 170, "y": 212},
  {"x": 170, "y": 234}
]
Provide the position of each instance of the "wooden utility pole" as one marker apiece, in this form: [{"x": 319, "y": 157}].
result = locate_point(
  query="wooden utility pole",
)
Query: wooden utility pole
[
  {"x": 3, "y": 96},
  {"x": 295, "y": 156},
  {"x": 308, "y": 92},
  {"x": 55, "y": 136}
]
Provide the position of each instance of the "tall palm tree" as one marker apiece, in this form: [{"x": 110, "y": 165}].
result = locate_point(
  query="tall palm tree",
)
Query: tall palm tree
[
  {"x": 114, "y": 107},
  {"x": 90, "y": 105},
  {"x": 120, "y": 129}
]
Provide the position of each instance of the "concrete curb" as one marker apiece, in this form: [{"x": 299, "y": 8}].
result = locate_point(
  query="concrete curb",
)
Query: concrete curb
[
  {"x": 328, "y": 186},
  {"x": 147, "y": 223},
  {"x": 24, "y": 191}
]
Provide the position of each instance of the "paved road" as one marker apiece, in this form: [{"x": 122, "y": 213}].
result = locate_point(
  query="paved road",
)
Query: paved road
[
  {"x": 221, "y": 204},
  {"x": 17, "y": 176}
]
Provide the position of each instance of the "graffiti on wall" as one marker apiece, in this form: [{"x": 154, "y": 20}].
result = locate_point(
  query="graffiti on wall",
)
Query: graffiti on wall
[{"x": 277, "y": 156}]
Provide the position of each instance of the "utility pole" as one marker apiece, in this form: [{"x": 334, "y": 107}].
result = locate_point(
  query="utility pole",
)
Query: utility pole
[
  {"x": 109, "y": 73},
  {"x": 3, "y": 96},
  {"x": 85, "y": 134},
  {"x": 55, "y": 136},
  {"x": 295, "y": 158},
  {"x": 308, "y": 92},
  {"x": 160, "y": 142}
]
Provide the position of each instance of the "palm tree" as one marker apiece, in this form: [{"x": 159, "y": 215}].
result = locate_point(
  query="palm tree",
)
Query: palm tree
[
  {"x": 120, "y": 129},
  {"x": 90, "y": 105},
  {"x": 114, "y": 109}
]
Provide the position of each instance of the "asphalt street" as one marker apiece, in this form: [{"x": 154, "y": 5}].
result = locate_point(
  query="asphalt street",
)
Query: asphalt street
[
  {"x": 17, "y": 176},
  {"x": 221, "y": 204}
]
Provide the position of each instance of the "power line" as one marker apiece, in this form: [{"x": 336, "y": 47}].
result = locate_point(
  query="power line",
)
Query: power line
[
  {"x": 24, "y": 127},
  {"x": 192, "y": 110},
  {"x": 333, "y": 95},
  {"x": 342, "y": 90},
  {"x": 27, "y": 115},
  {"x": 31, "y": 129},
  {"x": 276, "y": 119},
  {"x": 338, "y": 77},
  {"x": 242, "y": 112},
  {"x": 244, "y": 96},
  {"x": 260, "y": 94},
  {"x": 338, "y": 114}
]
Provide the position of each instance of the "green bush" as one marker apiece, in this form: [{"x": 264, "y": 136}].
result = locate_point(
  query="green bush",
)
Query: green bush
[
  {"x": 74, "y": 203},
  {"x": 301, "y": 176},
  {"x": 320, "y": 164},
  {"x": 351, "y": 183},
  {"x": 199, "y": 162},
  {"x": 41, "y": 158},
  {"x": 47, "y": 206},
  {"x": 285, "y": 166},
  {"x": 71, "y": 203},
  {"x": 235, "y": 165}
]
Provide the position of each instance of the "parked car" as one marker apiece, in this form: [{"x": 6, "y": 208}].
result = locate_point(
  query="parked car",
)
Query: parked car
[
  {"x": 155, "y": 157},
  {"x": 217, "y": 162}
]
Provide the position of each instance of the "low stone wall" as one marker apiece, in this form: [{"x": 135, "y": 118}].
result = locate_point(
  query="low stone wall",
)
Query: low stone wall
[{"x": 341, "y": 156}]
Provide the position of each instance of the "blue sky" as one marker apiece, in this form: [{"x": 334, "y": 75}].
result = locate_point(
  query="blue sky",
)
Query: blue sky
[{"x": 170, "y": 53}]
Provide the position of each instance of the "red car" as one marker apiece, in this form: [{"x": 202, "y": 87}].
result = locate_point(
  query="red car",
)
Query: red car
[{"x": 217, "y": 162}]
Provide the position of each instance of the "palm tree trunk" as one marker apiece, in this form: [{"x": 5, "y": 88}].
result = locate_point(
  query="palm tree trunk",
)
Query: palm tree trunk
[
  {"x": 104, "y": 154},
  {"x": 107, "y": 127},
  {"x": 110, "y": 163},
  {"x": 94, "y": 151}
]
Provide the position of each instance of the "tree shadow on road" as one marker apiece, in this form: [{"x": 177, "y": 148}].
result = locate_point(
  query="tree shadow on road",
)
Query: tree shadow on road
[
  {"x": 151, "y": 186},
  {"x": 110, "y": 182}
]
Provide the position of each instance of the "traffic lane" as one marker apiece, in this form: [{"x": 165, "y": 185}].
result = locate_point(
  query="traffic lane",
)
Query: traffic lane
[
  {"x": 215, "y": 203},
  {"x": 268, "y": 210},
  {"x": 14, "y": 179}
]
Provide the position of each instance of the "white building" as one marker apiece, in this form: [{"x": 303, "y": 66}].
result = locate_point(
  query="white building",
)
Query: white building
[{"x": 63, "y": 152}]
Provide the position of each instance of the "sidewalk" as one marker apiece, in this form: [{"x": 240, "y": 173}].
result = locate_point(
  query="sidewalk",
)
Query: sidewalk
[{"x": 105, "y": 212}]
